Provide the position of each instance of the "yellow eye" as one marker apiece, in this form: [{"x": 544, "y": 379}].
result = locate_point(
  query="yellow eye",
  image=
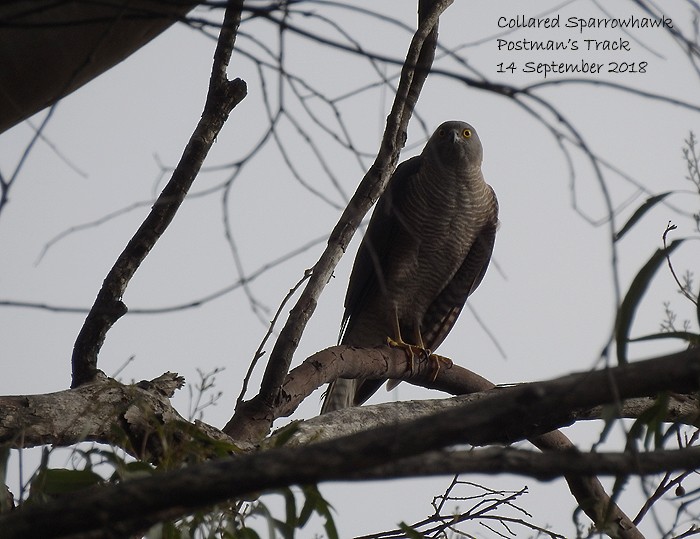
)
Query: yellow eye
[{"x": 467, "y": 133}]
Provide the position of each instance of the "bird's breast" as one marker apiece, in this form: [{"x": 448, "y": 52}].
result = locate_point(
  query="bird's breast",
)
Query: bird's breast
[{"x": 440, "y": 226}]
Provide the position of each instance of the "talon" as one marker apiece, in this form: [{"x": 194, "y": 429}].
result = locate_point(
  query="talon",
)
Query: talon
[
  {"x": 435, "y": 361},
  {"x": 412, "y": 350},
  {"x": 409, "y": 349}
]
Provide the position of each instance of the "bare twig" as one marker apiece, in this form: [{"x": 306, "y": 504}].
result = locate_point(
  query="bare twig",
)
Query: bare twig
[
  {"x": 260, "y": 352},
  {"x": 683, "y": 289}
]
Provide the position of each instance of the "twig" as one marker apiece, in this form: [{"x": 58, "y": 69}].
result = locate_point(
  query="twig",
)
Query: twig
[
  {"x": 669, "y": 227},
  {"x": 260, "y": 352}
]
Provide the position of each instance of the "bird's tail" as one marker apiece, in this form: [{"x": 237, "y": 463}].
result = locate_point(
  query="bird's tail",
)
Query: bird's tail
[{"x": 340, "y": 394}]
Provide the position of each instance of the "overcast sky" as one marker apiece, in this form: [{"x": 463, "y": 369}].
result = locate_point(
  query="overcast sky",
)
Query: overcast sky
[{"x": 548, "y": 300}]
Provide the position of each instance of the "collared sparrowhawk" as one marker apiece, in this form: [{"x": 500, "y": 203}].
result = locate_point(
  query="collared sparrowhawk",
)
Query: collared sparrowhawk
[{"x": 426, "y": 249}]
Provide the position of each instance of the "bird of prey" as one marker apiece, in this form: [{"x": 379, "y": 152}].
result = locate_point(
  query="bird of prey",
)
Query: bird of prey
[{"x": 426, "y": 249}]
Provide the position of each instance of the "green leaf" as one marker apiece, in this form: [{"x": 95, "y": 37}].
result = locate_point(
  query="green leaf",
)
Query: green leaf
[
  {"x": 330, "y": 528},
  {"x": 262, "y": 510},
  {"x": 6, "y": 502},
  {"x": 310, "y": 503},
  {"x": 689, "y": 337},
  {"x": 220, "y": 447},
  {"x": 631, "y": 301},
  {"x": 411, "y": 533},
  {"x": 290, "y": 507},
  {"x": 171, "y": 531},
  {"x": 609, "y": 414},
  {"x": 56, "y": 481},
  {"x": 314, "y": 501},
  {"x": 132, "y": 470},
  {"x": 4, "y": 457},
  {"x": 282, "y": 435},
  {"x": 650, "y": 421},
  {"x": 639, "y": 213},
  {"x": 246, "y": 533},
  {"x": 155, "y": 532}
]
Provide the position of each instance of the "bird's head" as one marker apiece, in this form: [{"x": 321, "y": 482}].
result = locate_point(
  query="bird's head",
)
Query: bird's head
[{"x": 456, "y": 143}]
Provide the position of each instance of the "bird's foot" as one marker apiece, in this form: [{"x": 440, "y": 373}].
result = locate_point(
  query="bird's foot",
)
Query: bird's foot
[
  {"x": 435, "y": 361},
  {"x": 412, "y": 350}
]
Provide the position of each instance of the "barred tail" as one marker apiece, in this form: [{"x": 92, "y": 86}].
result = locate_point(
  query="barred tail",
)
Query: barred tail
[{"x": 340, "y": 394}]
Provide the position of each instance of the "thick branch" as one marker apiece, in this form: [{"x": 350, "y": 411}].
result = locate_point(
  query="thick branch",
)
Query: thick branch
[
  {"x": 684, "y": 409},
  {"x": 223, "y": 96},
  {"x": 387, "y": 362},
  {"x": 138, "y": 418},
  {"x": 541, "y": 466},
  {"x": 558, "y": 401},
  {"x": 587, "y": 490},
  {"x": 505, "y": 415}
]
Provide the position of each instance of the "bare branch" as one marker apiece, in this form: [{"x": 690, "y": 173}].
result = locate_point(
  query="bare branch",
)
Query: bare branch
[
  {"x": 222, "y": 97},
  {"x": 541, "y": 466},
  {"x": 138, "y": 418}
]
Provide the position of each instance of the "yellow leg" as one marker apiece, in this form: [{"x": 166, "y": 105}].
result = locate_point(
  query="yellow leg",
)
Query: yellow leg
[
  {"x": 411, "y": 349},
  {"x": 435, "y": 361},
  {"x": 397, "y": 342},
  {"x": 418, "y": 348}
]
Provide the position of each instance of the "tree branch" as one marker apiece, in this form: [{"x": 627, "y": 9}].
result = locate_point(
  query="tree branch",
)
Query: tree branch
[
  {"x": 502, "y": 416},
  {"x": 138, "y": 418},
  {"x": 222, "y": 97},
  {"x": 541, "y": 466},
  {"x": 587, "y": 490},
  {"x": 683, "y": 409}
]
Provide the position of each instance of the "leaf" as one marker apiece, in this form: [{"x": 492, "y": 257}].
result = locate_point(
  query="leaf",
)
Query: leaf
[
  {"x": 330, "y": 528},
  {"x": 56, "y": 481},
  {"x": 411, "y": 533},
  {"x": 132, "y": 470},
  {"x": 290, "y": 506},
  {"x": 6, "y": 498},
  {"x": 220, "y": 447},
  {"x": 689, "y": 337},
  {"x": 650, "y": 421},
  {"x": 631, "y": 301},
  {"x": 316, "y": 502},
  {"x": 170, "y": 531},
  {"x": 639, "y": 213},
  {"x": 246, "y": 533},
  {"x": 285, "y": 433},
  {"x": 609, "y": 414},
  {"x": 156, "y": 532},
  {"x": 284, "y": 528},
  {"x": 261, "y": 509},
  {"x": 308, "y": 507}
]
